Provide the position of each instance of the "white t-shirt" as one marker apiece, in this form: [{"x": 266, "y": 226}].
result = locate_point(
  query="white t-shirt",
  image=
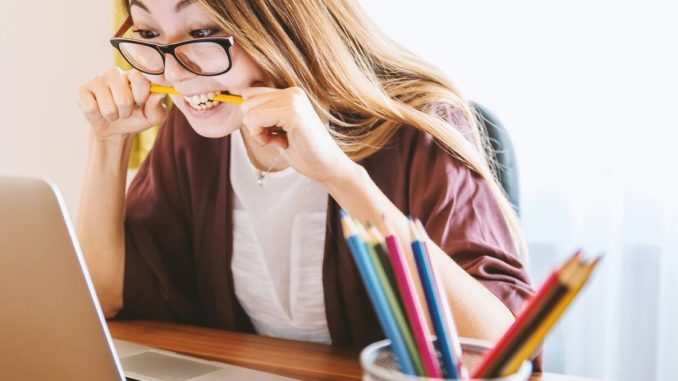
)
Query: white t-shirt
[{"x": 278, "y": 249}]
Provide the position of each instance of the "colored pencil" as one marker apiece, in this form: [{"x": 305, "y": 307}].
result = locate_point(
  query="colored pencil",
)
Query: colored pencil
[
  {"x": 413, "y": 307},
  {"x": 435, "y": 299},
  {"x": 376, "y": 294},
  {"x": 447, "y": 312},
  {"x": 509, "y": 342},
  {"x": 576, "y": 282},
  {"x": 226, "y": 98},
  {"x": 418, "y": 287},
  {"x": 379, "y": 246},
  {"x": 373, "y": 245}
]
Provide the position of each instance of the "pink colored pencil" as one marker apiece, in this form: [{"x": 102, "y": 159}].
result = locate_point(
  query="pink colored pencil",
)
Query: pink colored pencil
[{"x": 411, "y": 302}]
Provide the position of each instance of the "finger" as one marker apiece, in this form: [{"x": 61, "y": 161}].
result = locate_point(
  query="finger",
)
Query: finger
[
  {"x": 105, "y": 101},
  {"x": 90, "y": 108},
  {"x": 256, "y": 91},
  {"x": 122, "y": 94},
  {"x": 141, "y": 87},
  {"x": 260, "y": 120},
  {"x": 268, "y": 99},
  {"x": 155, "y": 109}
]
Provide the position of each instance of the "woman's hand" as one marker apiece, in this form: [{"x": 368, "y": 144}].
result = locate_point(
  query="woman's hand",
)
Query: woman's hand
[
  {"x": 118, "y": 104},
  {"x": 306, "y": 143}
]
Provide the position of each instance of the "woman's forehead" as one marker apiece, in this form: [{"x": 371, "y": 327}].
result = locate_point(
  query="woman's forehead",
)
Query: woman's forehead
[
  {"x": 160, "y": 11},
  {"x": 163, "y": 9}
]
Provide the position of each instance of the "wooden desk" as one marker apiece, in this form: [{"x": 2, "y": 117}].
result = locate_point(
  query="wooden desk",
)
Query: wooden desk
[{"x": 287, "y": 358}]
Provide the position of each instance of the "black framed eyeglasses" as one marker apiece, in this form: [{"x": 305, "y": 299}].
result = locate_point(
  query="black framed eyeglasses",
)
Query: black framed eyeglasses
[{"x": 208, "y": 56}]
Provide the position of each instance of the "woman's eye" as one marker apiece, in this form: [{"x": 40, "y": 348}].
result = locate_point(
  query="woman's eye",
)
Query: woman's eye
[
  {"x": 146, "y": 34},
  {"x": 201, "y": 33}
]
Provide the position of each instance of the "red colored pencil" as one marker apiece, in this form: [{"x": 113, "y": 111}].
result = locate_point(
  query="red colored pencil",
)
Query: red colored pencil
[{"x": 492, "y": 360}]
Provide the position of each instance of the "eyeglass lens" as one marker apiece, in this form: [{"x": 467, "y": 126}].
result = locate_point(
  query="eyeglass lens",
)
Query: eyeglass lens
[{"x": 199, "y": 57}]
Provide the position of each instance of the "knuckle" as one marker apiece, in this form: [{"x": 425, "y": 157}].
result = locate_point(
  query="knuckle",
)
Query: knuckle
[
  {"x": 126, "y": 103},
  {"x": 82, "y": 95},
  {"x": 156, "y": 119},
  {"x": 89, "y": 108},
  {"x": 109, "y": 113},
  {"x": 90, "y": 111},
  {"x": 99, "y": 80}
]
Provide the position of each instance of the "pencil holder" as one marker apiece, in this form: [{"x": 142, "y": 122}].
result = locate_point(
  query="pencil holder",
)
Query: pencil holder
[{"x": 379, "y": 364}]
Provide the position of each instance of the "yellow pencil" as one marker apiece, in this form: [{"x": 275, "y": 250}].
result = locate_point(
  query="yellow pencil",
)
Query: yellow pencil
[
  {"x": 226, "y": 98},
  {"x": 577, "y": 281}
]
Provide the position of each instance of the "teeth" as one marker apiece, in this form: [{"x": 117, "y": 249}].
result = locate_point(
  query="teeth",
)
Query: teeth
[{"x": 203, "y": 101}]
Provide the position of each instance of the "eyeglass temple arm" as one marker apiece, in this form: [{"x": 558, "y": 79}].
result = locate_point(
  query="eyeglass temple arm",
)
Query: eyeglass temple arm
[{"x": 123, "y": 28}]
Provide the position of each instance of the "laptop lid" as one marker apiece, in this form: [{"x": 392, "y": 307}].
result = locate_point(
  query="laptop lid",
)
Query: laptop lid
[{"x": 51, "y": 326}]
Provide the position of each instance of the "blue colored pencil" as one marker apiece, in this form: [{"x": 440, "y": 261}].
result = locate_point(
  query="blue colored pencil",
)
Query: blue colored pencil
[
  {"x": 376, "y": 294},
  {"x": 435, "y": 300},
  {"x": 447, "y": 311}
]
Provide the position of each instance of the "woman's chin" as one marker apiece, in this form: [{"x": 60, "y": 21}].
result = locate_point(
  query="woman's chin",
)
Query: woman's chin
[
  {"x": 216, "y": 122},
  {"x": 213, "y": 131}
]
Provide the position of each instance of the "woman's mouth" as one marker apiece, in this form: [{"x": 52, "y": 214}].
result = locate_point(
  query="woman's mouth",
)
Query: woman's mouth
[{"x": 202, "y": 102}]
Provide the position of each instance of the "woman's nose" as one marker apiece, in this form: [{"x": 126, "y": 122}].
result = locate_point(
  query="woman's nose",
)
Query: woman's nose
[{"x": 174, "y": 72}]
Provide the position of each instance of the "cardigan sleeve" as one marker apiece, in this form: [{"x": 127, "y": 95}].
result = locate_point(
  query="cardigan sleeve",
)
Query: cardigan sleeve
[
  {"x": 461, "y": 215},
  {"x": 158, "y": 266}
]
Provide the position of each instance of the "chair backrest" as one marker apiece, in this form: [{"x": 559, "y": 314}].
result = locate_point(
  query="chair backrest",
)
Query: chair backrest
[{"x": 506, "y": 166}]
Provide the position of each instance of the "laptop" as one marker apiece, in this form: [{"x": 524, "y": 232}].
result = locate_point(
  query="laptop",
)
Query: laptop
[{"x": 51, "y": 324}]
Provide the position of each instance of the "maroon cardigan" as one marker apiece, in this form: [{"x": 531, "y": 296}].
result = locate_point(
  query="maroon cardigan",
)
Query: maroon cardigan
[{"x": 178, "y": 232}]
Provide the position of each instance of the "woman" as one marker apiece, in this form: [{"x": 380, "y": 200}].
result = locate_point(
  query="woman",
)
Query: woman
[{"x": 232, "y": 221}]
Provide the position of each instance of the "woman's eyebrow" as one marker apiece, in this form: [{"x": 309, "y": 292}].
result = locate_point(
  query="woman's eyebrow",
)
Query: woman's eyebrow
[
  {"x": 138, "y": 4},
  {"x": 180, "y": 5}
]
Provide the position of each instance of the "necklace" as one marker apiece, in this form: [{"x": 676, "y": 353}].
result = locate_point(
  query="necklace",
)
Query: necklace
[{"x": 262, "y": 174}]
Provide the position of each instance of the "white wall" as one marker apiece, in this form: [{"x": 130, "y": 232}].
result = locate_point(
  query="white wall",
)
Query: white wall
[
  {"x": 48, "y": 48},
  {"x": 563, "y": 76}
]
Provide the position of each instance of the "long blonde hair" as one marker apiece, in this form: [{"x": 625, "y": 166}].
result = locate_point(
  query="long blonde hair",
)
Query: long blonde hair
[{"x": 359, "y": 79}]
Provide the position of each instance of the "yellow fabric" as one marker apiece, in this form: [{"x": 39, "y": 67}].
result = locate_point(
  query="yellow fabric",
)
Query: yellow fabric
[{"x": 144, "y": 140}]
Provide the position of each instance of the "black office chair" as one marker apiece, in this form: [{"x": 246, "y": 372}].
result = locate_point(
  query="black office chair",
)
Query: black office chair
[{"x": 506, "y": 166}]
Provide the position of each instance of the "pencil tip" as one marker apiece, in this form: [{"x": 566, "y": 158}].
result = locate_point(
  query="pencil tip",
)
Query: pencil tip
[
  {"x": 413, "y": 230},
  {"x": 597, "y": 259}
]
